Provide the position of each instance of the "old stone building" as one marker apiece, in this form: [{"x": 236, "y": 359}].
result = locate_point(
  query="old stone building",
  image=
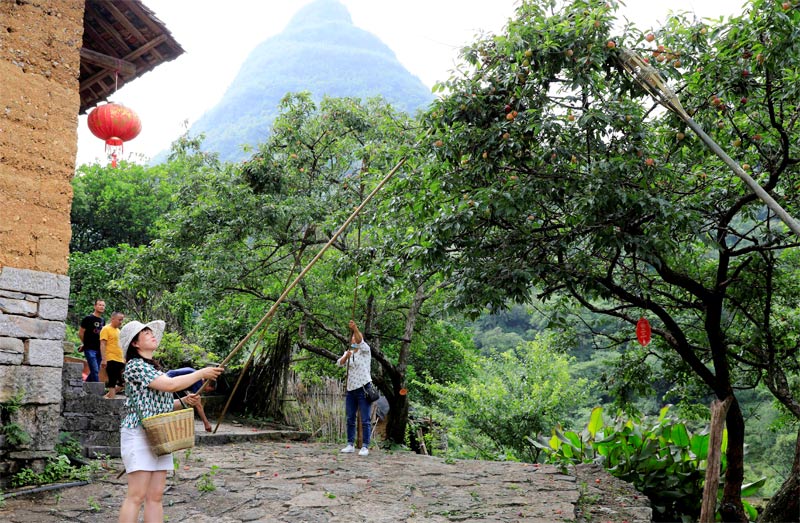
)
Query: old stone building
[{"x": 58, "y": 58}]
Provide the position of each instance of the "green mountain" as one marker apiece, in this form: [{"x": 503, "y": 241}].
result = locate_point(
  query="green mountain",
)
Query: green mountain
[{"x": 320, "y": 51}]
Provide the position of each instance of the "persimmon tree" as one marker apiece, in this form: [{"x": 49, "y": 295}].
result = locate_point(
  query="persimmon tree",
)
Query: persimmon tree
[
  {"x": 240, "y": 232},
  {"x": 554, "y": 171}
]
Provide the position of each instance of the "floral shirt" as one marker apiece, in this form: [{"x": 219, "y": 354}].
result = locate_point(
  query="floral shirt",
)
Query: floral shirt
[
  {"x": 358, "y": 374},
  {"x": 139, "y": 397}
]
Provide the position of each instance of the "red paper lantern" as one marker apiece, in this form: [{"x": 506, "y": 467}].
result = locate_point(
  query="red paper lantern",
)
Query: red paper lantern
[
  {"x": 643, "y": 332},
  {"x": 116, "y": 124}
]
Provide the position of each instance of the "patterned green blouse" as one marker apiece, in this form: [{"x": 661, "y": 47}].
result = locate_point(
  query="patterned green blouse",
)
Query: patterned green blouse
[{"x": 141, "y": 398}]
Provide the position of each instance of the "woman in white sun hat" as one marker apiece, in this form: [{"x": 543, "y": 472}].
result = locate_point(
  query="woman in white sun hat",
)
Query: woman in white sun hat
[{"x": 148, "y": 392}]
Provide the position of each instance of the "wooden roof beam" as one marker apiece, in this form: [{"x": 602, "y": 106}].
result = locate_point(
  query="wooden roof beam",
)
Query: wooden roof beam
[
  {"x": 122, "y": 19},
  {"x": 124, "y": 67}
]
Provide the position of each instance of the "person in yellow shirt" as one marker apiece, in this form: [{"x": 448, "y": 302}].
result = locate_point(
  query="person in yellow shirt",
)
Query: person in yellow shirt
[{"x": 111, "y": 354}]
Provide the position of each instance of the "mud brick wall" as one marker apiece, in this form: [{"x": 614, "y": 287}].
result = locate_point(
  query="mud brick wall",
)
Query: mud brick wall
[{"x": 40, "y": 43}]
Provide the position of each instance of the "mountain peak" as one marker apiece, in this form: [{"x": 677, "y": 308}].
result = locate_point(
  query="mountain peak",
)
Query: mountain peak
[
  {"x": 321, "y": 12},
  {"x": 321, "y": 52}
]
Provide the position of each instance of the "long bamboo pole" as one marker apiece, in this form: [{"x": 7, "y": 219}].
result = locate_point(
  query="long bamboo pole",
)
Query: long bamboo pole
[
  {"x": 652, "y": 82},
  {"x": 746, "y": 178},
  {"x": 239, "y": 380},
  {"x": 310, "y": 264},
  {"x": 258, "y": 343}
]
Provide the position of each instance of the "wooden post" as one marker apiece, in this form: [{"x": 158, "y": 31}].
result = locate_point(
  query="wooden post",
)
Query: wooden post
[{"x": 719, "y": 409}]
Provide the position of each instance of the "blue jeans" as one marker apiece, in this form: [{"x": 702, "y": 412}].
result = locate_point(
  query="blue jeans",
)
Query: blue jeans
[
  {"x": 93, "y": 359},
  {"x": 356, "y": 400}
]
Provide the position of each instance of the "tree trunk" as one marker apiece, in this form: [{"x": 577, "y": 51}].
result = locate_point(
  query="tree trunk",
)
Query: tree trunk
[
  {"x": 398, "y": 419},
  {"x": 785, "y": 504},
  {"x": 396, "y": 430},
  {"x": 719, "y": 410},
  {"x": 731, "y": 507}
]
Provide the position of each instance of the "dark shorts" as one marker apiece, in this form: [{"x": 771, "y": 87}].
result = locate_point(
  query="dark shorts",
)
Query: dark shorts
[{"x": 114, "y": 370}]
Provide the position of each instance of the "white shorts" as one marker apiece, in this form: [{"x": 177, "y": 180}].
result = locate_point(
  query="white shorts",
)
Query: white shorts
[{"x": 137, "y": 454}]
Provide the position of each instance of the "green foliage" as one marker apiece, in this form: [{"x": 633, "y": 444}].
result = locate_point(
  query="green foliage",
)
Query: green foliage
[
  {"x": 661, "y": 457},
  {"x": 112, "y": 206},
  {"x": 173, "y": 353},
  {"x": 206, "y": 482},
  {"x": 553, "y": 171},
  {"x": 15, "y": 435},
  {"x": 93, "y": 276},
  {"x": 68, "y": 445},
  {"x": 12, "y": 404},
  {"x": 511, "y": 394},
  {"x": 57, "y": 469},
  {"x": 443, "y": 354},
  {"x": 13, "y": 432}
]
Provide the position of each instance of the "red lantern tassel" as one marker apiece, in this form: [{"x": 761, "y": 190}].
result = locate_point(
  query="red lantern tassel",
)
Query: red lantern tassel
[{"x": 114, "y": 145}]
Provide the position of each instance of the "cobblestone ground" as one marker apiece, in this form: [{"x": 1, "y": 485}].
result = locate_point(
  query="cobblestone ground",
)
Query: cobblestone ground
[{"x": 297, "y": 482}]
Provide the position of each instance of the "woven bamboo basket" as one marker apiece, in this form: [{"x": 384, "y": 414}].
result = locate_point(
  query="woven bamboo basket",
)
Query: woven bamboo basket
[{"x": 171, "y": 431}]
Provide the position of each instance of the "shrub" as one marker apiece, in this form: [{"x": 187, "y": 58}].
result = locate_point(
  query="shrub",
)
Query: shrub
[
  {"x": 661, "y": 458},
  {"x": 57, "y": 469},
  {"x": 13, "y": 432},
  {"x": 511, "y": 394}
]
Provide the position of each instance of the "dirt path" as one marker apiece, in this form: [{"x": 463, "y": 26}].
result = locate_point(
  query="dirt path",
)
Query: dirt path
[{"x": 295, "y": 482}]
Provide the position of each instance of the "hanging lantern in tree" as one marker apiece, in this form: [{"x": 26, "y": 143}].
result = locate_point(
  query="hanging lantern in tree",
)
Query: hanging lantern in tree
[
  {"x": 643, "y": 332},
  {"x": 116, "y": 124}
]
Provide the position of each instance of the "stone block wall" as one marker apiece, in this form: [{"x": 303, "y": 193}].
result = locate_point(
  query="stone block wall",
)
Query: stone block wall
[
  {"x": 33, "y": 311},
  {"x": 90, "y": 418}
]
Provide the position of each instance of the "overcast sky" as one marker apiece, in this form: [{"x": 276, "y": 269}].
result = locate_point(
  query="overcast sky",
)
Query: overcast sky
[{"x": 217, "y": 36}]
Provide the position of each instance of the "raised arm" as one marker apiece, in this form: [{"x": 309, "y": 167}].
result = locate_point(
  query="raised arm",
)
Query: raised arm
[
  {"x": 356, "y": 337},
  {"x": 166, "y": 384}
]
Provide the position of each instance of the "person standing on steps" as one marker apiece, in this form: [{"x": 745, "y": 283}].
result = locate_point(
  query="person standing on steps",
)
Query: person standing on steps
[
  {"x": 358, "y": 359},
  {"x": 148, "y": 393},
  {"x": 111, "y": 357},
  {"x": 89, "y": 333}
]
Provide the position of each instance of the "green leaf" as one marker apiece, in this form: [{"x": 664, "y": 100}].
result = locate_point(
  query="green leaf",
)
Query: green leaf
[
  {"x": 595, "y": 421},
  {"x": 751, "y": 489},
  {"x": 680, "y": 436}
]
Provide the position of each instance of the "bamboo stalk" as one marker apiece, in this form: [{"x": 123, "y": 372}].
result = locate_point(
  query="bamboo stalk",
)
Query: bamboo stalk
[
  {"x": 260, "y": 339},
  {"x": 650, "y": 80},
  {"x": 238, "y": 381},
  {"x": 310, "y": 264}
]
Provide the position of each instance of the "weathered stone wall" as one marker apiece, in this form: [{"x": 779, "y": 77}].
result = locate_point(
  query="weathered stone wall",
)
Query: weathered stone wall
[
  {"x": 40, "y": 43},
  {"x": 33, "y": 309},
  {"x": 87, "y": 416}
]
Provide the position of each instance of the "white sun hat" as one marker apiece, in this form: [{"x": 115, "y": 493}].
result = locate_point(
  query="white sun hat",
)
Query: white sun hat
[{"x": 132, "y": 328}]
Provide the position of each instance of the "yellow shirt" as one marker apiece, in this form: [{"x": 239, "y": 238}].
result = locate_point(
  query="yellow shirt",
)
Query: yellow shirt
[{"x": 113, "y": 350}]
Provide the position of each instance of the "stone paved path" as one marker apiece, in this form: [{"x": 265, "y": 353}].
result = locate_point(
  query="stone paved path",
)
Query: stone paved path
[{"x": 299, "y": 482}]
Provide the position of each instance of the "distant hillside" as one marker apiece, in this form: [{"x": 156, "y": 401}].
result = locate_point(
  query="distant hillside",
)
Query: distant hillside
[{"x": 320, "y": 51}]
